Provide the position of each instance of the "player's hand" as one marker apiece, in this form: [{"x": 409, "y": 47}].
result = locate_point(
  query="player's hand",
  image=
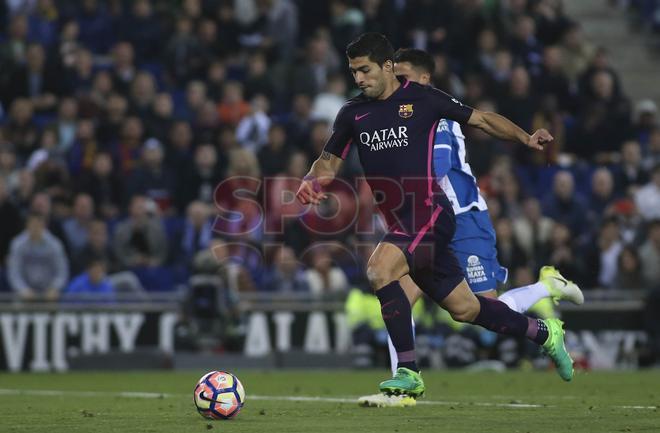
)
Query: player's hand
[
  {"x": 310, "y": 191},
  {"x": 539, "y": 139}
]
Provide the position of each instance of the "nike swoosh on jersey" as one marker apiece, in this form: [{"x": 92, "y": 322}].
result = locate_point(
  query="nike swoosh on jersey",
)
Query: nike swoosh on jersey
[{"x": 359, "y": 117}]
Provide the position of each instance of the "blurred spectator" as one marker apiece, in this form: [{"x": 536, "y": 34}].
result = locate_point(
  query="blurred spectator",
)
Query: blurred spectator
[
  {"x": 94, "y": 281},
  {"x": 525, "y": 47},
  {"x": 21, "y": 130},
  {"x": 76, "y": 228},
  {"x": 328, "y": 103},
  {"x": 510, "y": 195},
  {"x": 552, "y": 80},
  {"x": 43, "y": 23},
  {"x": 445, "y": 79},
  {"x": 286, "y": 274},
  {"x": 97, "y": 245},
  {"x": 509, "y": 252},
  {"x": 161, "y": 116},
  {"x": 114, "y": 112},
  {"x": 85, "y": 147},
  {"x": 323, "y": 277},
  {"x": 80, "y": 72},
  {"x": 179, "y": 152},
  {"x": 199, "y": 181},
  {"x": 252, "y": 130},
  {"x": 151, "y": 178},
  {"x": 129, "y": 147},
  {"x": 12, "y": 223},
  {"x": 647, "y": 198},
  {"x": 50, "y": 171},
  {"x": 104, "y": 185},
  {"x": 66, "y": 124},
  {"x": 645, "y": 121},
  {"x": 629, "y": 275},
  {"x": 274, "y": 155},
  {"x": 232, "y": 107},
  {"x": 631, "y": 173},
  {"x": 481, "y": 147},
  {"x": 550, "y": 20},
  {"x": 562, "y": 254},
  {"x": 24, "y": 190},
  {"x": 195, "y": 98},
  {"x": 143, "y": 92},
  {"x": 310, "y": 74},
  {"x": 652, "y": 158},
  {"x": 563, "y": 205},
  {"x": 428, "y": 23},
  {"x": 42, "y": 204},
  {"x": 604, "y": 121},
  {"x": 96, "y": 26},
  {"x": 258, "y": 80},
  {"x": 69, "y": 48},
  {"x": 183, "y": 54},
  {"x": 600, "y": 62},
  {"x": 12, "y": 50},
  {"x": 533, "y": 230},
  {"x": 299, "y": 122},
  {"x": 346, "y": 23},
  {"x": 140, "y": 241},
  {"x": 123, "y": 68},
  {"x": 141, "y": 28},
  {"x": 576, "y": 52},
  {"x": 196, "y": 233},
  {"x": 35, "y": 80},
  {"x": 602, "y": 195},
  {"x": 601, "y": 260},
  {"x": 519, "y": 104},
  {"x": 37, "y": 264},
  {"x": 649, "y": 255}
]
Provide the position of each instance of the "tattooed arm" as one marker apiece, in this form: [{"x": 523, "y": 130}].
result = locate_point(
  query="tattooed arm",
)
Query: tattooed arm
[{"x": 323, "y": 171}]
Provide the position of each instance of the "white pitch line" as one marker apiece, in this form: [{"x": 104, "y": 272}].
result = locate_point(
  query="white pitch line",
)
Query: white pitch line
[{"x": 348, "y": 400}]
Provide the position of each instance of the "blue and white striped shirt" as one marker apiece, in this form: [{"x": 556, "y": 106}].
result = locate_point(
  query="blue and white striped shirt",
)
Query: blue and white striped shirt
[{"x": 451, "y": 170}]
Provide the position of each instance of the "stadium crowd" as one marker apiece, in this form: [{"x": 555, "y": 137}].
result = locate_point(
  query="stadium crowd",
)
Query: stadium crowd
[{"x": 142, "y": 140}]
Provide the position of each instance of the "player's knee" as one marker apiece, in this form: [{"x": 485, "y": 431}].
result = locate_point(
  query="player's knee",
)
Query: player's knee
[
  {"x": 465, "y": 312},
  {"x": 378, "y": 276}
]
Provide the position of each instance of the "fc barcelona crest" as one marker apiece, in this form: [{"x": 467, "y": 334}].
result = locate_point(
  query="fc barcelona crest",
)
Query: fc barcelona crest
[{"x": 406, "y": 110}]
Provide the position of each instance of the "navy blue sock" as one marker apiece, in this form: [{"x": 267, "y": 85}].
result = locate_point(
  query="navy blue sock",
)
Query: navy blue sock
[
  {"x": 397, "y": 315},
  {"x": 498, "y": 317}
]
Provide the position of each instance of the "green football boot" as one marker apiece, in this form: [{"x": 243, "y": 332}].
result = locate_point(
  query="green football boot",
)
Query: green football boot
[
  {"x": 559, "y": 287},
  {"x": 554, "y": 347},
  {"x": 405, "y": 381}
]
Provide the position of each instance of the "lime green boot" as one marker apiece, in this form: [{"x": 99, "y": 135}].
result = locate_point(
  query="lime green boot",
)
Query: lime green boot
[
  {"x": 405, "y": 381},
  {"x": 554, "y": 347}
]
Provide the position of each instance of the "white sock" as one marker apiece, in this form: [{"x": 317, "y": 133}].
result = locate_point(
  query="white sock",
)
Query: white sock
[
  {"x": 522, "y": 298},
  {"x": 394, "y": 358}
]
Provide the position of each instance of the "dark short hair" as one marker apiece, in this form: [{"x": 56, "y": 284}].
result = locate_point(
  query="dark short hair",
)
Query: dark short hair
[
  {"x": 373, "y": 45},
  {"x": 418, "y": 58}
]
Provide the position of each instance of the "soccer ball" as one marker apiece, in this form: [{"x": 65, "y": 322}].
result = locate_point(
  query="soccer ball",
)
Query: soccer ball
[{"x": 219, "y": 395}]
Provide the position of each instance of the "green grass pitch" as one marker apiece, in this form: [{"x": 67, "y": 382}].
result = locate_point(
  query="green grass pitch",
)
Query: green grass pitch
[{"x": 456, "y": 402}]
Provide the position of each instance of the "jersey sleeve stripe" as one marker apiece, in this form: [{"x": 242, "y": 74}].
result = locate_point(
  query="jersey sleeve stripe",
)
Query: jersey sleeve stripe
[
  {"x": 344, "y": 153},
  {"x": 442, "y": 146}
]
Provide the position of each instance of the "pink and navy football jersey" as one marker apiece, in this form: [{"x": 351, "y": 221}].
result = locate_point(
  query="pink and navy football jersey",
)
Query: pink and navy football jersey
[{"x": 394, "y": 138}]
